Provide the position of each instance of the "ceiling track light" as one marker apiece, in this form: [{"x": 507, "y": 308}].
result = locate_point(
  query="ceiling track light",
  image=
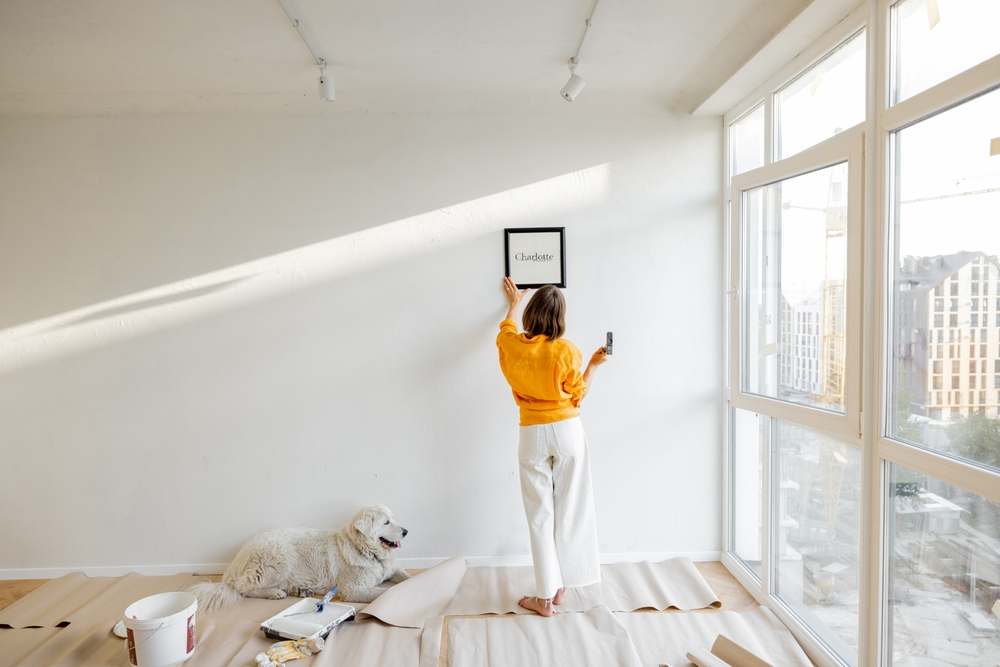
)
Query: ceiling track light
[
  {"x": 576, "y": 82},
  {"x": 326, "y": 91}
]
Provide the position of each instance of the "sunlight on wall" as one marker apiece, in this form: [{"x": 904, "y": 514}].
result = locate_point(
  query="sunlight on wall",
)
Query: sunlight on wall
[{"x": 140, "y": 313}]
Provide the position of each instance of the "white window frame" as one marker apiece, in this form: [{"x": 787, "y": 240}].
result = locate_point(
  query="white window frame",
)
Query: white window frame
[
  {"x": 848, "y": 146},
  {"x": 877, "y": 447},
  {"x": 883, "y": 121}
]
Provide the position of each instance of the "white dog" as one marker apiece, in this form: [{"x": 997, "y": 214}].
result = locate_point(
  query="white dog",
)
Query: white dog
[{"x": 283, "y": 561}]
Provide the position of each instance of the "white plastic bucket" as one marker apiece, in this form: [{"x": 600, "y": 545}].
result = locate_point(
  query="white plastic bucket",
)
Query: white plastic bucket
[{"x": 161, "y": 629}]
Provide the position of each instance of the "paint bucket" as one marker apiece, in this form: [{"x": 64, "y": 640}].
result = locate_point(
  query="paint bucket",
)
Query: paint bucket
[{"x": 161, "y": 629}]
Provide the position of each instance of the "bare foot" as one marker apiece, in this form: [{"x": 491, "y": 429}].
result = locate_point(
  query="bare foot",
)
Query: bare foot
[
  {"x": 540, "y": 606},
  {"x": 560, "y": 594}
]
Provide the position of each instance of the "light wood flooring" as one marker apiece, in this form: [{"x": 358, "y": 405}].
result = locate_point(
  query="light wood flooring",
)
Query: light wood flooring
[{"x": 14, "y": 590}]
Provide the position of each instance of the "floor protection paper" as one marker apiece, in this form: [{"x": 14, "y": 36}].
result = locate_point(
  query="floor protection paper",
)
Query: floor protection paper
[
  {"x": 88, "y": 608},
  {"x": 666, "y": 639},
  {"x": 402, "y": 627},
  {"x": 425, "y": 595},
  {"x": 592, "y": 638},
  {"x": 369, "y": 643},
  {"x": 77, "y": 598},
  {"x": 674, "y": 583}
]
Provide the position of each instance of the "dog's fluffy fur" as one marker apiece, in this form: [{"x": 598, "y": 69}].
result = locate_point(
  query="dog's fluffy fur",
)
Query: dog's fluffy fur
[{"x": 272, "y": 565}]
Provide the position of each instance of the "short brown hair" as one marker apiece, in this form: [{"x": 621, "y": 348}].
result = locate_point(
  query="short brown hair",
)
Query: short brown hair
[{"x": 545, "y": 314}]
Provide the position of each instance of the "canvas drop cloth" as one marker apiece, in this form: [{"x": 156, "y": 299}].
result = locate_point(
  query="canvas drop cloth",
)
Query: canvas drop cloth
[
  {"x": 666, "y": 639},
  {"x": 592, "y": 638},
  {"x": 674, "y": 583}
]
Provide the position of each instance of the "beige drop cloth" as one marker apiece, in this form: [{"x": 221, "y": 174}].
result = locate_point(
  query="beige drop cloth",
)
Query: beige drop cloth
[
  {"x": 223, "y": 638},
  {"x": 665, "y": 639},
  {"x": 674, "y": 583},
  {"x": 91, "y": 607},
  {"x": 78, "y": 598},
  {"x": 231, "y": 637},
  {"x": 423, "y": 596},
  {"x": 593, "y": 637}
]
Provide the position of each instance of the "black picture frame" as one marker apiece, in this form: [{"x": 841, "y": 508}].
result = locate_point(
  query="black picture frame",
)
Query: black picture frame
[{"x": 538, "y": 242}]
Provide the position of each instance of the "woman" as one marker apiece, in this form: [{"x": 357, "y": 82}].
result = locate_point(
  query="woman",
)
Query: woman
[{"x": 543, "y": 370}]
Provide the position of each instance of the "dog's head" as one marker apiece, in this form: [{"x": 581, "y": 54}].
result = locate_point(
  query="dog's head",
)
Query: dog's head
[{"x": 377, "y": 531}]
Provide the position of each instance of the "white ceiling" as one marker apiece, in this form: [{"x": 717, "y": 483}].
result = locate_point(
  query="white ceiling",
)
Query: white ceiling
[{"x": 248, "y": 46}]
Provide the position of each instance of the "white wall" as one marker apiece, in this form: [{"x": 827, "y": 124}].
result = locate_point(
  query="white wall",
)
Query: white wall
[{"x": 213, "y": 323}]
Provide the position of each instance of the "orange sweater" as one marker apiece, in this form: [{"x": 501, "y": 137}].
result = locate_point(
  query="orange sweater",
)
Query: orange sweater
[{"x": 543, "y": 374}]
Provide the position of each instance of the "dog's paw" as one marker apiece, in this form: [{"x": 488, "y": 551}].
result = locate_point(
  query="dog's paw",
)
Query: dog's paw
[
  {"x": 361, "y": 594},
  {"x": 273, "y": 594}
]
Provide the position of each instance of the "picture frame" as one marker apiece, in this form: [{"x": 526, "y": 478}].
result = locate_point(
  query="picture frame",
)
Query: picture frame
[{"x": 535, "y": 256}]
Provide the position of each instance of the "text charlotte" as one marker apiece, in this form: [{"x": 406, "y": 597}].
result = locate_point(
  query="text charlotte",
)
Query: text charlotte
[{"x": 536, "y": 257}]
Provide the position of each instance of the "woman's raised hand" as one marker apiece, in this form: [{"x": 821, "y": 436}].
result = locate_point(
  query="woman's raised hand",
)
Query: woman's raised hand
[
  {"x": 514, "y": 295},
  {"x": 599, "y": 357}
]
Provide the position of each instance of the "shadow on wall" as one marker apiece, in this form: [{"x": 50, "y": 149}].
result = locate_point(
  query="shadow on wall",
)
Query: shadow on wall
[{"x": 151, "y": 310}]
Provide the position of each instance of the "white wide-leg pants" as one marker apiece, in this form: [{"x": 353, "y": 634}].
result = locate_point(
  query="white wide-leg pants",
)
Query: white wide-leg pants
[{"x": 559, "y": 505}]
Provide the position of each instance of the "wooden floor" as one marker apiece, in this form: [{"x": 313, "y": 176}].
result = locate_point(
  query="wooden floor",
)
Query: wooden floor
[
  {"x": 734, "y": 597},
  {"x": 12, "y": 591}
]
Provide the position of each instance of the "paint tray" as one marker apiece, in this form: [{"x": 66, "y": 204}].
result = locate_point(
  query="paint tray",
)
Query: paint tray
[{"x": 302, "y": 621}]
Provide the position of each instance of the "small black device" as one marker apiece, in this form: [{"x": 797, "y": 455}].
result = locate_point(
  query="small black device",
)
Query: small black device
[{"x": 607, "y": 347}]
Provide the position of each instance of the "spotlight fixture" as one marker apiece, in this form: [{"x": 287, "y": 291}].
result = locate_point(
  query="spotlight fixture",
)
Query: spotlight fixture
[
  {"x": 326, "y": 92},
  {"x": 576, "y": 82},
  {"x": 573, "y": 86}
]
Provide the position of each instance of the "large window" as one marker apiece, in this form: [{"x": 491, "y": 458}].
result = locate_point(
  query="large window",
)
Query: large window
[
  {"x": 795, "y": 270},
  {"x": 944, "y": 546},
  {"x": 863, "y": 383},
  {"x": 795, "y": 354},
  {"x": 937, "y": 39},
  {"x": 825, "y": 100},
  {"x": 946, "y": 205},
  {"x": 796, "y": 226},
  {"x": 818, "y": 519}
]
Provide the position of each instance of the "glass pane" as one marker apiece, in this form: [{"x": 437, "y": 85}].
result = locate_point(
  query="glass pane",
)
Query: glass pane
[
  {"x": 944, "y": 575},
  {"x": 937, "y": 39},
  {"x": 748, "y": 483},
  {"x": 818, "y": 516},
  {"x": 946, "y": 320},
  {"x": 795, "y": 259},
  {"x": 822, "y": 101},
  {"x": 746, "y": 142}
]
